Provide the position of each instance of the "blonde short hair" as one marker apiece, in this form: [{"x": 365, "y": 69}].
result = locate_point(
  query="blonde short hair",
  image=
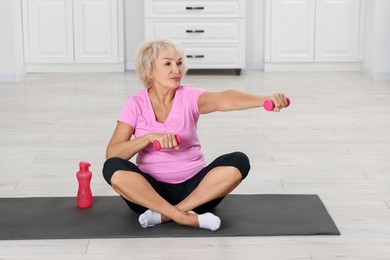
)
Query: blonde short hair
[{"x": 147, "y": 55}]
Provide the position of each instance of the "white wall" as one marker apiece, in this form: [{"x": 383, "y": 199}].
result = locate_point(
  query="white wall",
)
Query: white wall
[
  {"x": 134, "y": 30},
  {"x": 377, "y": 40},
  {"x": 11, "y": 43},
  {"x": 255, "y": 19}
]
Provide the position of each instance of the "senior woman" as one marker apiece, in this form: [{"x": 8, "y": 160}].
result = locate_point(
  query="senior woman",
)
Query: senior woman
[{"x": 173, "y": 183}]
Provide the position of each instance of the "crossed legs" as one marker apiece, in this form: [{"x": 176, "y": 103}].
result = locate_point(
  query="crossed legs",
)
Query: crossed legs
[{"x": 217, "y": 183}]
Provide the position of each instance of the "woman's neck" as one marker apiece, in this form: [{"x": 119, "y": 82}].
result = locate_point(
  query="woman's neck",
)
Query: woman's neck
[
  {"x": 161, "y": 97},
  {"x": 162, "y": 102}
]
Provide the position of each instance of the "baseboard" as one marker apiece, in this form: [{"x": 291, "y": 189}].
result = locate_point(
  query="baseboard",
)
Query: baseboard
[
  {"x": 74, "y": 68},
  {"x": 381, "y": 76},
  {"x": 130, "y": 66},
  {"x": 376, "y": 75},
  {"x": 254, "y": 66},
  {"x": 312, "y": 67},
  {"x": 13, "y": 77},
  {"x": 249, "y": 66}
]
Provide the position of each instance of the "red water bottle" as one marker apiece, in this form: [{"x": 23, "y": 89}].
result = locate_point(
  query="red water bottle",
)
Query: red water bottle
[{"x": 84, "y": 194}]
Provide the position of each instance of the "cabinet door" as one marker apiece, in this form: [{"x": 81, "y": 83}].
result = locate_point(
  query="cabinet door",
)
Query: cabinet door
[
  {"x": 50, "y": 32},
  {"x": 337, "y": 30},
  {"x": 96, "y": 31},
  {"x": 292, "y": 30}
]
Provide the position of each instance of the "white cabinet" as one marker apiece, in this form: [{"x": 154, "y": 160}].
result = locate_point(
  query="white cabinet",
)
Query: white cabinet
[
  {"x": 73, "y": 35},
  {"x": 337, "y": 30},
  {"x": 292, "y": 30},
  {"x": 48, "y": 30},
  {"x": 96, "y": 31},
  {"x": 212, "y": 32},
  {"x": 314, "y": 31}
]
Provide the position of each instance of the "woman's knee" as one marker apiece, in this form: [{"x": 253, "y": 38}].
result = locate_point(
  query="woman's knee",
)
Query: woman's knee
[
  {"x": 111, "y": 166},
  {"x": 117, "y": 178},
  {"x": 241, "y": 161}
]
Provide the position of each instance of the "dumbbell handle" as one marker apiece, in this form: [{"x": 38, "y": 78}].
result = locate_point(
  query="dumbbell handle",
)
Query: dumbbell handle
[
  {"x": 157, "y": 146},
  {"x": 269, "y": 105}
]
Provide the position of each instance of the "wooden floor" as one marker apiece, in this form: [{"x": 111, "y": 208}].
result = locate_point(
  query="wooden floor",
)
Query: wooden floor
[{"x": 334, "y": 140}]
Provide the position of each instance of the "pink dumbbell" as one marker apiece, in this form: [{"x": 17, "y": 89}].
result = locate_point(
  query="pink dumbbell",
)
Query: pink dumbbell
[
  {"x": 269, "y": 105},
  {"x": 157, "y": 146}
]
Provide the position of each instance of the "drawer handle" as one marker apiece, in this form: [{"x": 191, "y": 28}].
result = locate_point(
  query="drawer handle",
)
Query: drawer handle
[
  {"x": 195, "y": 56},
  {"x": 194, "y": 31},
  {"x": 195, "y": 8}
]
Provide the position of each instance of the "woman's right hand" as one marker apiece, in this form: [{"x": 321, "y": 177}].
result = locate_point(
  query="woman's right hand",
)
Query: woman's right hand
[{"x": 166, "y": 140}]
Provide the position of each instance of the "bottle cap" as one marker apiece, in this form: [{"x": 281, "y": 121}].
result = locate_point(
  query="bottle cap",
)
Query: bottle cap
[{"x": 84, "y": 166}]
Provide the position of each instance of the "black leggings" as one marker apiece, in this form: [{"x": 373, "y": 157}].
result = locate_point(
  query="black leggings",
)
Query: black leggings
[{"x": 175, "y": 193}]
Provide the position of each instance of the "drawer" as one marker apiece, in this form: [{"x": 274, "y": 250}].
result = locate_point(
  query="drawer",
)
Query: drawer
[
  {"x": 190, "y": 31},
  {"x": 194, "y": 9},
  {"x": 197, "y": 57}
]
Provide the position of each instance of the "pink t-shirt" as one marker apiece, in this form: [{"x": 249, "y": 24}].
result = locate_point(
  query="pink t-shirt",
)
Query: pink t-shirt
[{"x": 168, "y": 165}]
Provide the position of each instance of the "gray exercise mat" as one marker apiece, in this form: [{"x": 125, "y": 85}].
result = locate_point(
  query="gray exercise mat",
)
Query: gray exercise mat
[{"x": 109, "y": 217}]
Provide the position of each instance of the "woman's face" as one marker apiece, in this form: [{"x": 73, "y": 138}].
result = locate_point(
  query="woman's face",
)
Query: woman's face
[{"x": 168, "y": 70}]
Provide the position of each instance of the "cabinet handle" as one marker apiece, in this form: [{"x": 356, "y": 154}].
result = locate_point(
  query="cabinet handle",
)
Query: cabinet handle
[
  {"x": 195, "y": 8},
  {"x": 195, "y": 56},
  {"x": 194, "y": 31}
]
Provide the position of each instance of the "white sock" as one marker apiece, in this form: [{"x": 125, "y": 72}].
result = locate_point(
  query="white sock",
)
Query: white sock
[
  {"x": 149, "y": 218},
  {"x": 208, "y": 221}
]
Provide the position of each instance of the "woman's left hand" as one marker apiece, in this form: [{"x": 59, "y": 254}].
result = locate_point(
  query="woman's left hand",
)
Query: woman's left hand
[{"x": 280, "y": 101}]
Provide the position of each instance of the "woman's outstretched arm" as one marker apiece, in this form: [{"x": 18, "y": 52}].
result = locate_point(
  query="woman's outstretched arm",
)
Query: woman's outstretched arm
[{"x": 230, "y": 100}]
